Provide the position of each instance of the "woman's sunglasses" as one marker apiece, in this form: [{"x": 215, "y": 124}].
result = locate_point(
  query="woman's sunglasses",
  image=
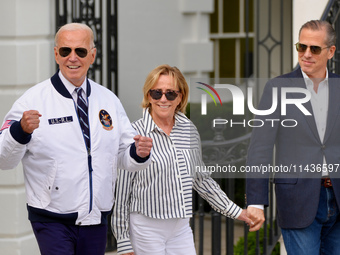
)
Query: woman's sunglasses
[
  {"x": 314, "y": 49},
  {"x": 65, "y": 51},
  {"x": 157, "y": 94}
]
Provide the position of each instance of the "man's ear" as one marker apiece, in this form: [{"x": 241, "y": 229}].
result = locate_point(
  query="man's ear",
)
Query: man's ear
[{"x": 331, "y": 51}]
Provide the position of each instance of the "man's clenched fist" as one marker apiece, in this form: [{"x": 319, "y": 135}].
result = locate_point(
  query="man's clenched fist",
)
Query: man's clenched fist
[{"x": 30, "y": 121}]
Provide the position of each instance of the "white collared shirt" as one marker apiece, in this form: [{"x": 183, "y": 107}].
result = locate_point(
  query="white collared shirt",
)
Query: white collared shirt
[
  {"x": 319, "y": 103},
  {"x": 71, "y": 88}
]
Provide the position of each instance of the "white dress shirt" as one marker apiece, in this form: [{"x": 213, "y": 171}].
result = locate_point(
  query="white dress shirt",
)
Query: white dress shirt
[
  {"x": 319, "y": 103},
  {"x": 71, "y": 88}
]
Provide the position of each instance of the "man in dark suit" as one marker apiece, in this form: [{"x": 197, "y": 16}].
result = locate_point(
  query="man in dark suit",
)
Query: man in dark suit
[{"x": 307, "y": 154}]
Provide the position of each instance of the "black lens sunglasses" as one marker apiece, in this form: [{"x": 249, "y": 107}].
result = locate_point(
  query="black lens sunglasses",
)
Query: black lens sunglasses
[
  {"x": 157, "y": 94},
  {"x": 314, "y": 49},
  {"x": 65, "y": 51}
]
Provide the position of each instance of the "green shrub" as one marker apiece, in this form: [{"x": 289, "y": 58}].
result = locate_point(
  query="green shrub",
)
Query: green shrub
[{"x": 239, "y": 247}]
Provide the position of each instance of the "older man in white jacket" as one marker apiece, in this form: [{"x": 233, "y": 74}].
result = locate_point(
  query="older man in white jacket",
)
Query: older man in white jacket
[{"x": 70, "y": 183}]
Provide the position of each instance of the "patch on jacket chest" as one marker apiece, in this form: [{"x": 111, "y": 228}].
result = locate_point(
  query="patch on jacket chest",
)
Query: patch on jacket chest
[{"x": 105, "y": 120}]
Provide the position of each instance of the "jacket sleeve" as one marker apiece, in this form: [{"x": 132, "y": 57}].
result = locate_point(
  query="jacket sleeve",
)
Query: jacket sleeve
[
  {"x": 210, "y": 191},
  {"x": 121, "y": 211},
  {"x": 13, "y": 139},
  {"x": 126, "y": 159},
  {"x": 260, "y": 151}
]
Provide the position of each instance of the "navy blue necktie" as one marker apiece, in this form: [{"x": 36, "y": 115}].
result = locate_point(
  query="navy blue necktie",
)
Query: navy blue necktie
[{"x": 82, "y": 115}]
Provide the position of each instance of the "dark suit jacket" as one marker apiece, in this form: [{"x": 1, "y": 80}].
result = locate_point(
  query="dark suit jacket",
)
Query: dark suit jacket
[{"x": 297, "y": 192}]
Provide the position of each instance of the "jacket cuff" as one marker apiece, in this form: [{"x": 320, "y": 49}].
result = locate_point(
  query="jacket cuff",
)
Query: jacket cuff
[
  {"x": 134, "y": 155},
  {"x": 124, "y": 246},
  {"x": 19, "y": 134}
]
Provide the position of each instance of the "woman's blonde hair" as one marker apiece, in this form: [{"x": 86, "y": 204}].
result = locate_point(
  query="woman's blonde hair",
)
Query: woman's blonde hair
[{"x": 179, "y": 81}]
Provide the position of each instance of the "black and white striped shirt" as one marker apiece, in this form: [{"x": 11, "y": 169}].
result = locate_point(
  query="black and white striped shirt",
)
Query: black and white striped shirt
[{"x": 164, "y": 189}]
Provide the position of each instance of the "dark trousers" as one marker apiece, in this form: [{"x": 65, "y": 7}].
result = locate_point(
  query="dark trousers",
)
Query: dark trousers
[{"x": 57, "y": 239}]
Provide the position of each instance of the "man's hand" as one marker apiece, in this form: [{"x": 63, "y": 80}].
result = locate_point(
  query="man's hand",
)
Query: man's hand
[
  {"x": 243, "y": 216},
  {"x": 143, "y": 145},
  {"x": 130, "y": 253},
  {"x": 30, "y": 121},
  {"x": 257, "y": 216}
]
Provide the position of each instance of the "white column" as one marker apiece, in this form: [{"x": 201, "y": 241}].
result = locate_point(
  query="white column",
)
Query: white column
[
  {"x": 26, "y": 50},
  {"x": 301, "y": 14},
  {"x": 154, "y": 32},
  {"x": 196, "y": 48}
]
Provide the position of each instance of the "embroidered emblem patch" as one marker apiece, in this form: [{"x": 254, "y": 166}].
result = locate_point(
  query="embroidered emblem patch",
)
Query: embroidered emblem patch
[{"x": 105, "y": 119}]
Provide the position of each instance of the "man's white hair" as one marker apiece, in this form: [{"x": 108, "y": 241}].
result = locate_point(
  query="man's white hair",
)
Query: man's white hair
[{"x": 75, "y": 27}]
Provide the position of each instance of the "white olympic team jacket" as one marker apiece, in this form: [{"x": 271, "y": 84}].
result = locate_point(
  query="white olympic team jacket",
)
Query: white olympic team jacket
[{"x": 65, "y": 183}]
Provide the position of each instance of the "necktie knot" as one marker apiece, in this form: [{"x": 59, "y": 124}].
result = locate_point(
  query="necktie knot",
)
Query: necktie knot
[{"x": 79, "y": 92}]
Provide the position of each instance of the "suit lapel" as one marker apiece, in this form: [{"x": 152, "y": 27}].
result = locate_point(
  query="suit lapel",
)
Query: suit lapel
[{"x": 298, "y": 81}]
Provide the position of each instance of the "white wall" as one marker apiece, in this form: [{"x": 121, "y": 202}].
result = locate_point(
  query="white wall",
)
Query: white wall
[
  {"x": 26, "y": 51},
  {"x": 155, "y": 32},
  {"x": 303, "y": 11}
]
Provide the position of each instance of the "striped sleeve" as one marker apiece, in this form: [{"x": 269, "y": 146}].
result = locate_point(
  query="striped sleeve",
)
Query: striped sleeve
[
  {"x": 121, "y": 211},
  {"x": 210, "y": 191}
]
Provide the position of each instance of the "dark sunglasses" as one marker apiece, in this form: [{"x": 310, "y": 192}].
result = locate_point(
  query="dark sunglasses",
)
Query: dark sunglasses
[
  {"x": 65, "y": 51},
  {"x": 314, "y": 49},
  {"x": 157, "y": 94}
]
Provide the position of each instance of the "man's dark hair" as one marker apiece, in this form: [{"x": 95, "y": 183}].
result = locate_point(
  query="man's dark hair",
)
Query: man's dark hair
[{"x": 318, "y": 25}]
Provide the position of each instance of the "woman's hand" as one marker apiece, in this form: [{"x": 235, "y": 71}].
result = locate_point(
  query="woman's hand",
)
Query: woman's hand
[{"x": 244, "y": 217}]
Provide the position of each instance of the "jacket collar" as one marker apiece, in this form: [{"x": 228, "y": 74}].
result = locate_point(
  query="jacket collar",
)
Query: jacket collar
[
  {"x": 60, "y": 87},
  {"x": 333, "y": 105}
]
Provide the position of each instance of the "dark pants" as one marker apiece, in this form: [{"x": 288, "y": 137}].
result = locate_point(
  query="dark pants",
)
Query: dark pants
[{"x": 57, "y": 239}]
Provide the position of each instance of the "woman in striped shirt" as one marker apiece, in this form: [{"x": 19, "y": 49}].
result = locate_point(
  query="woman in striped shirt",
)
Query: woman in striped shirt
[{"x": 153, "y": 206}]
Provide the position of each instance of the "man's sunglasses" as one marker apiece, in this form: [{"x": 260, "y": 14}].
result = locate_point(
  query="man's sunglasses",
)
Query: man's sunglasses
[
  {"x": 65, "y": 51},
  {"x": 157, "y": 94},
  {"x": 314, "y": 49}
]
